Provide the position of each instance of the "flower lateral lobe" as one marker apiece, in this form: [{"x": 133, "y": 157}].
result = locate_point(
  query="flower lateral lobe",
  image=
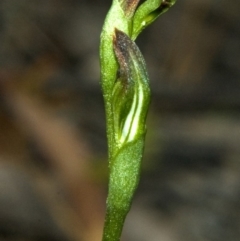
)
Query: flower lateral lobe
[{"x": 147, "y": 13}]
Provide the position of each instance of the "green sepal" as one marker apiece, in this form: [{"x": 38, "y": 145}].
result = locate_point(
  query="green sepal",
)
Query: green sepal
[
  {"x": 109, "y": 66},
  {"x": 147, "y": 13}
]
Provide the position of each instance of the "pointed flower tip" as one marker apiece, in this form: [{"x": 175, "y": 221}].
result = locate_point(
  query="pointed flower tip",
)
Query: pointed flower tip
[
  {"x": 121, "y": 43},
  {"x": 167, "y": 3}
]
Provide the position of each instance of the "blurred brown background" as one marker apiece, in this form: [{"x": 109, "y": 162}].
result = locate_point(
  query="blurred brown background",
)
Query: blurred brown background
[{"x": 53, "y": 154}]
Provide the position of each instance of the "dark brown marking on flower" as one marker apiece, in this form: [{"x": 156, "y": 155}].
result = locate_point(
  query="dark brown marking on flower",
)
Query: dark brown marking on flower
[
  {"x": 165, "y": 5},
  {"x": 121, "y": 45},
  {"x": 129, "y": 6},
  {"x": 128, "y": 56}
]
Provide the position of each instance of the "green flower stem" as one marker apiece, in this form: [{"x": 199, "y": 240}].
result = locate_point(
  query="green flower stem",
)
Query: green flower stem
[
  {"x": 126, "y": 93},
  {"x": 129, "y": 104},
  {"x": 122, "y": 188}
]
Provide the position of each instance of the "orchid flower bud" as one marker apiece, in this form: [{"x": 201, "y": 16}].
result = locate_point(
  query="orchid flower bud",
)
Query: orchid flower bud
[{"x": 131, "y": 92}]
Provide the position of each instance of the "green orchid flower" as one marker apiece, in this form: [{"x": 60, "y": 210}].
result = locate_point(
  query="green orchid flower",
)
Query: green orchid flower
[{"x": 126, "y": 92}]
